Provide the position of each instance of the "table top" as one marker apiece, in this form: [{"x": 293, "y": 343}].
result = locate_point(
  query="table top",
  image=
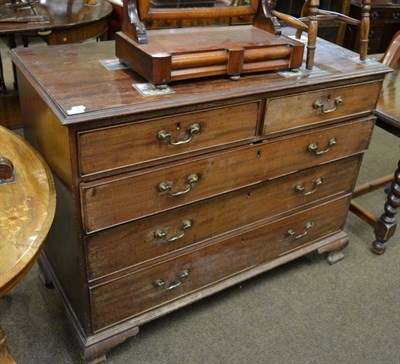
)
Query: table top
[
  {"x": 388, "y": 107},
  {"x": 27, "y": 208},
  {"x": 60, "y": 14},
  {"x": 79, "y": 80}
]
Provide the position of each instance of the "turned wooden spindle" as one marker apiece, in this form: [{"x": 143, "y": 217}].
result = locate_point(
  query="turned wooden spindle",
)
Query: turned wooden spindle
[
  {"x": 364, "y": 31},
  {"x": 386, "y": 224},
  {"x": 303, "y": 14},
  {"x": 313, "y": 6}
]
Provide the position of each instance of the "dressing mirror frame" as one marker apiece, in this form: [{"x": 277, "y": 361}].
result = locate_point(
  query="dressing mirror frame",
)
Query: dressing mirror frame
[
  {"x": 167, "y": 53},
  {"x": 146, "y": 12}
]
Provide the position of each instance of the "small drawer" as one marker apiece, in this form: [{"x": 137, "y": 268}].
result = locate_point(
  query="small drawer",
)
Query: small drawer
[
  {"x": 113, "y": 201},
  {"x": 135, "y": 195},
  {"x": 296, "y": 111},
  {"x": 309, "y": 149},
  {"x": 136, "y": 293},
  {"x": 140, "y": 241},
  {"x": 393, "y": 14},
  {"x": 116, "y": 147}
]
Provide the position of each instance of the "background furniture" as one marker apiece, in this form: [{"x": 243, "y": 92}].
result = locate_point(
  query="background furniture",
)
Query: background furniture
[
  {"x": 388, "y": 118},
  {"x": 68, "y": 22},
  {"x": 27, "y": 208},
  {"x": 164, "y": 200},
  {"x": 312, "y": 17},
  {"x": 385, "y": 22},
  {"x": 331, "y": 31},
  {"x": 164, "y": 55}
]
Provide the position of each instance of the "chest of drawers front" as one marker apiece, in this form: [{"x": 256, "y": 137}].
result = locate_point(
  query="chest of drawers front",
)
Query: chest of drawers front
[
  {"x": 171, "y": 230},
  {"x": 159, "y": 210}
]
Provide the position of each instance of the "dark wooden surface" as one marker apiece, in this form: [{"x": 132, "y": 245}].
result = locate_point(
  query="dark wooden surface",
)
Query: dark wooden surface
[
  {"x": 27, "y": 208},
  {"x": 68, "y": 22},
  {"x": 388, "y": 114},
  {"x": 61, "y": 14},
  {"x": 385, "y": 22},
  {"x": 256, "y": 204},
  {"x": 178, "y": 54},
  {"x": 209, "y": 217},
  {"x": 388, "y": 108},
  {"x": 244, "y": 166},
  {"x": 110, "y": 93}
]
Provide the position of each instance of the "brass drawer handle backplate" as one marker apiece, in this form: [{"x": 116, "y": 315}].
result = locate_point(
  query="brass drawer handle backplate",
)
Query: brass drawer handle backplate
[
  {"x": 313, "y": 148},
  {"x": 166, "y": 186},
  {"x": 160, "y": 283},
  {"x": 317, "y": 183},
  {"x": 319, "y": 104},
  {"x": 161, "y": 234},
  {"x": 165, "y": 136},
  {"x": 307, "y": 227}
]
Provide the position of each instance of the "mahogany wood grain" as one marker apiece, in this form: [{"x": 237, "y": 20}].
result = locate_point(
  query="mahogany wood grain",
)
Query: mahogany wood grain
[
  {"x": 233, "y": 168},
  {"x": 388, "y": 114},
  {"x": 27, "y": 210},
  {"x": 292, "y": 154},
  {"x": 352, "y": 104},
  {"x": 111, "y": 104},
  {"x": 62, "y": 16},
  {"x": 137, "y": 195},
  {"x": 392, "y": 55},
  {"x": 147, "y": 11},
  {"x": 135, "y": 143},
  {"x": 388, "y": 107},
  {"x": 169, "y": 55},
  {"x": 136, "y": 293},
  {"x": 107, "y": 250},
  {"x": 41, "y": 122}
]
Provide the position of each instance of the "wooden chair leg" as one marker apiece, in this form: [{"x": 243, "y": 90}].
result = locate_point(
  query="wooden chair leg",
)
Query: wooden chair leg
[
  {"x": 304, "y": 13},
  {"x": 364, "y": 31},
  {"x": 386, "y": 224},
  {"x": 313, "y": 6}
]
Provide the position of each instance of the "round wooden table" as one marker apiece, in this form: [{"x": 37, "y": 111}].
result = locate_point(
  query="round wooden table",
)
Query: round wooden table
[
  {"x": 27, "y": 207},
  {"x": 57, "y": 22}
]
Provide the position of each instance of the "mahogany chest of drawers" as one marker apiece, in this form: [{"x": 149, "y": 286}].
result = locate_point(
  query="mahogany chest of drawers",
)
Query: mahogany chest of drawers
[{"x": 164, "y": 200}]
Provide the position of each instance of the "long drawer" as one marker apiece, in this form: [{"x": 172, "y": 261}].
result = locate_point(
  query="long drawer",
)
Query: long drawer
[
  {"x": 113, "y": 201},
  {"x": 154, "y": 237},
  {"x": 116, "y": 147},
  {"x": 136, "y": 293},
  {"x": 290, "y": 112}
]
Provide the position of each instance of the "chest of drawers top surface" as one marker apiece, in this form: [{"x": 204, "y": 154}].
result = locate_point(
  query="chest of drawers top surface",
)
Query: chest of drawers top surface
[{"x": 69, "y": 77}]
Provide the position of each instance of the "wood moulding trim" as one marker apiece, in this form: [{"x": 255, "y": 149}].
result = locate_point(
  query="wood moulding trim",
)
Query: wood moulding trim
[
  {"x": 322, "y": 245},
  {"x": 99, "y": 343}
]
